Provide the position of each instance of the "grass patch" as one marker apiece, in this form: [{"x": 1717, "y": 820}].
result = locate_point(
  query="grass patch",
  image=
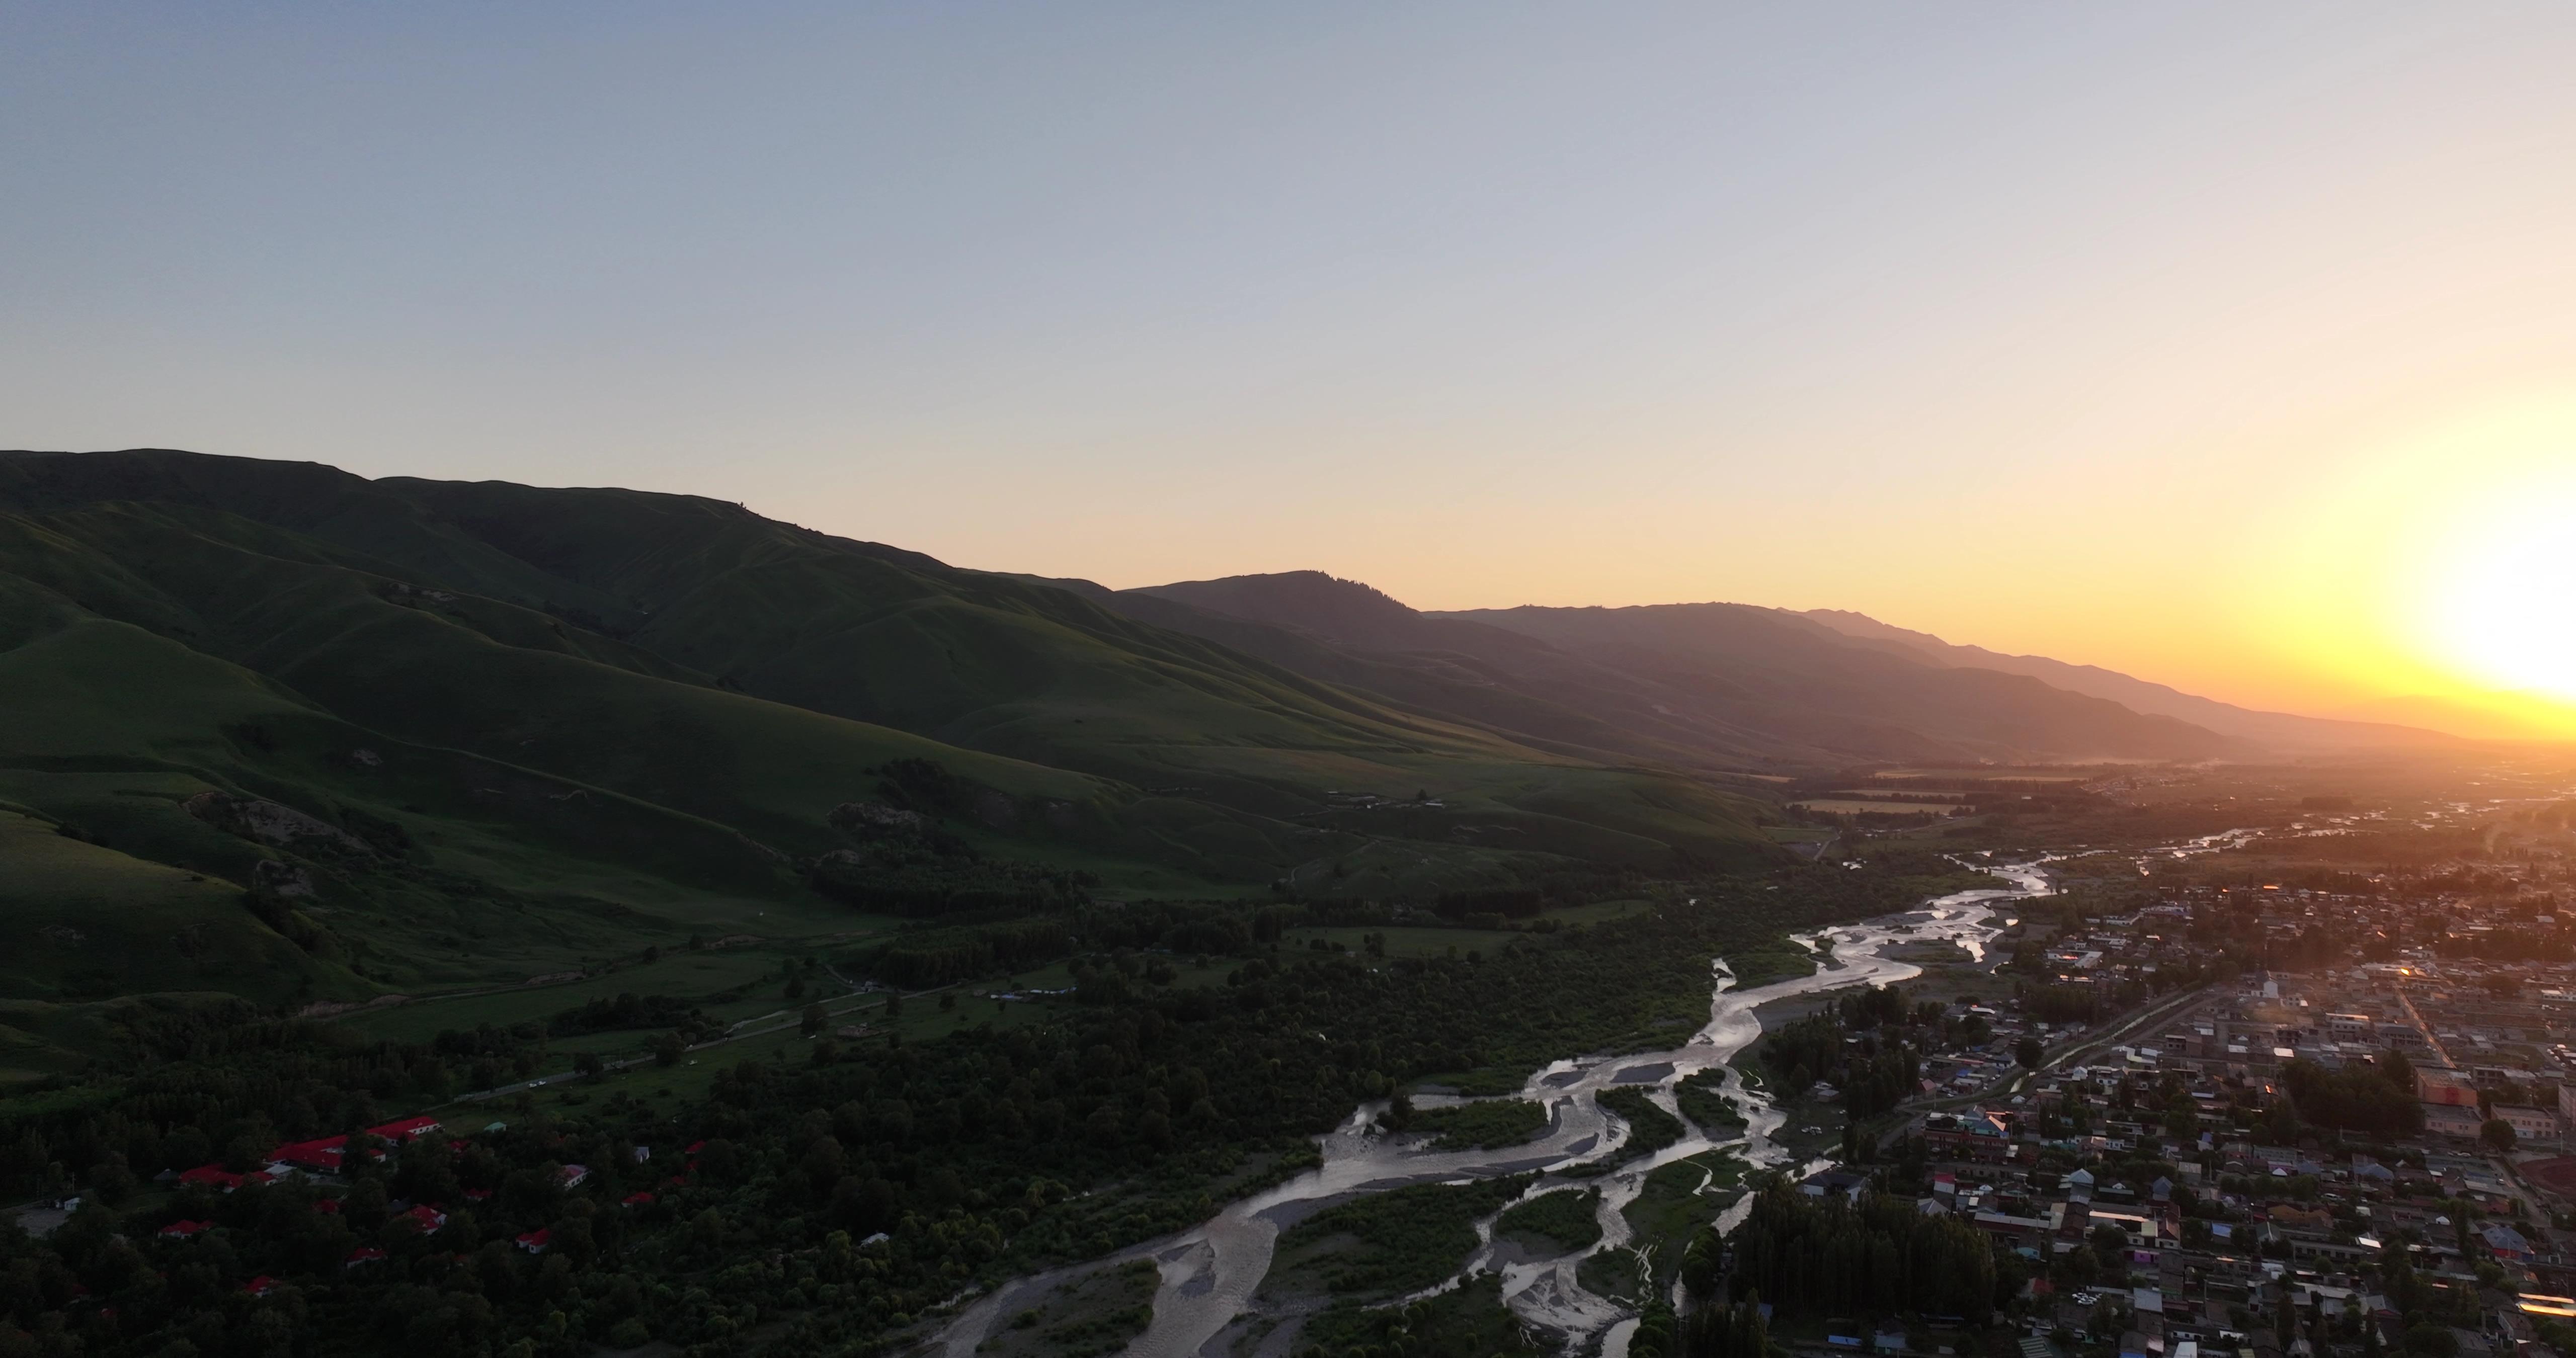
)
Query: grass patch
[
  {"x": 1387, "y": 1244},
  {"x": 1481, "y": 1125},
  {"x": 1086, "y": 1318},
  {"x": 1652, "y": 1127},
  {"x": 1483, "y": 1082},
  {"x": 88, "y": 922},
  {"x": 1704, "y": 1105},
  {"x": 1467, "y": 1323},
  {"x": 1560, "y": 1222},
  {"x": 1671, "y": 1207},
  {"x": 1770, "y": 964},
  {"x": 1611, "y": 1273}
]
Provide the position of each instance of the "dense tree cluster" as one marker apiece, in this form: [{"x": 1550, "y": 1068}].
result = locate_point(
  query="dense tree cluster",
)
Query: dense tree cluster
[
  {"x": 760, "y": 1210},
  {"x": 1722, "y": 1331},
  {"x": 1826, "y": 1256},
  {"x": 921, "y": 959},
  {"x": 909, "y": 876},
  {"x": 1868, "y": 1046},
  {"x": 2379, "y": 1100}
]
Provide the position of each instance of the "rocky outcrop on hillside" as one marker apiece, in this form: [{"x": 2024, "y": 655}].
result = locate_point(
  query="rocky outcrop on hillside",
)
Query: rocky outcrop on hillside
[
  {"x": 272, "y": 823},
  {"x": 868, "y": 819}
]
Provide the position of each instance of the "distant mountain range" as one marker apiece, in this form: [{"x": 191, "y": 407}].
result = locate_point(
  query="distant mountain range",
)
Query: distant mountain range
[
  {"x": 1727, "y": 686},
  {"x": 441, "y": 732},
  {"x": 2278, "y": 731}
]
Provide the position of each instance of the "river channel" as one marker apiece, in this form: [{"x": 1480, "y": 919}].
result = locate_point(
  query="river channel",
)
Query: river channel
[{"x": 1210, "y": 1272}]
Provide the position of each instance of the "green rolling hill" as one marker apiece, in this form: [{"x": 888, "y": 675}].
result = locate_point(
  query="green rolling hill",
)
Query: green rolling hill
[{"x": 410, "y": 735}]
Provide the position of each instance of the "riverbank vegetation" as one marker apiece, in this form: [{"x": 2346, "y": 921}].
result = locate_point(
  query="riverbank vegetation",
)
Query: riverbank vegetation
[
  {"x": 1702, "y": 1099},
  {"x": 1674, "y": 1203},
  {"x": 1386, "y": 1244},
  {"x": 1650, "y": 1128},
  {"x": 1613, "y": 1273},
  {"x": 1766, "y": 965},
  {"x": 1555, "y": 1223},
  {"x": 1481, "y": 1125},
  {"x": 1469, "y": 1322},
  {"x": 1088, "y": 1317}
]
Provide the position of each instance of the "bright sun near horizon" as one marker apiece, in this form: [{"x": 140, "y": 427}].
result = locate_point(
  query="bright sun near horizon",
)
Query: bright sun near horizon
[
  {"x": 2071, "y": 331},
  {"x": 2437, "y": 562},
  {"x": 2507, "y": 602}
]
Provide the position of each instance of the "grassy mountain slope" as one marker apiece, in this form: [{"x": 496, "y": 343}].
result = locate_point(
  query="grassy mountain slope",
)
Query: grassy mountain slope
[
  {"x": 1475, "y": 675},
  {"x": 90, "y": 922},
  {"x": 515, "y": 686},
  {"x": 439, "y": 866},
  {"x": 1704, "y": 683},
  {"x": 848, "y": 629},
  {"x": 435, "y": 734},
  {"x": 1482, "y": 674},
  {"x": 988, "y": 662},
  {"x": 1757, "y": 665}
]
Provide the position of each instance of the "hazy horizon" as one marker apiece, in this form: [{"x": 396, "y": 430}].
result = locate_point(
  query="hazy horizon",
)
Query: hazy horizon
[{"x": 2224, "y": 348}]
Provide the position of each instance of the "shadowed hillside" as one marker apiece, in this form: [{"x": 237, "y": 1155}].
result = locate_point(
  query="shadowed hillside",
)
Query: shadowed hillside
[
  {"x": 2278, "y": 730},
  {"x": 436, "y": 731},
  {"x": 1716, "y": 685}
]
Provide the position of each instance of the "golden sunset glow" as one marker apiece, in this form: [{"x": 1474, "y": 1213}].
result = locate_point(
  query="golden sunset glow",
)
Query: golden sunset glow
[
  {"x": 2427, "y": 576},
  {"x": 2505, "y": 608},
  {"x": 2250, "y": 369}
]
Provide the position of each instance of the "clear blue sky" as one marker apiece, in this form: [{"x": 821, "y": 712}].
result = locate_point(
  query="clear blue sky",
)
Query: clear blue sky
[{"x": 1873, "y": 306}]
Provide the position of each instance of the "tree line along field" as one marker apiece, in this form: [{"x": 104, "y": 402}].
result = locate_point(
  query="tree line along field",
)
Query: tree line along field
[
  {"x": 979, "y": 1148},
  {"x": 767, "y": 983}
]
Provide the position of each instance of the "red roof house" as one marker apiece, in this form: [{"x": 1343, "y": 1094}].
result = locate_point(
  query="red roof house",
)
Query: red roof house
[
  {"x": 364, "y": 1254},
  {"x": 320, "y": 1157},
  {"x": 211, "y": 1176},
  {"x": 406, "y": 1129},
  {"x": 535, "y": 1242},
  {"x": 186, "y": 1230},
  {"x": 430, "y": 1219},
  {"x": 260, "y": 1286},
  {"x": 639, "y": 1199},
  {"x": 572, "y": 1175}
]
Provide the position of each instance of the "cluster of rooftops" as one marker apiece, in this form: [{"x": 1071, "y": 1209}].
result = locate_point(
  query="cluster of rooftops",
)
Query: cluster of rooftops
[{"x": 328, "y": 1155}]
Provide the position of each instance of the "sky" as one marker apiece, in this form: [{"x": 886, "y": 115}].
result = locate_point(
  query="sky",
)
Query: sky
[{"x": 2230, "y": 346}]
